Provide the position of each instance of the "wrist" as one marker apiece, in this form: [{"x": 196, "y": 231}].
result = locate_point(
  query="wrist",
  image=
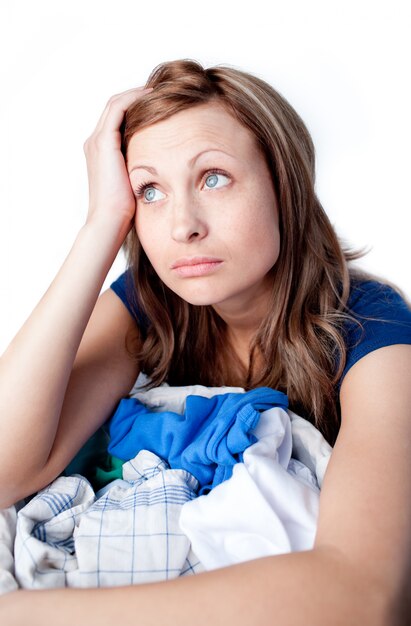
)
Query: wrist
[{"x": 105, "y": 234}]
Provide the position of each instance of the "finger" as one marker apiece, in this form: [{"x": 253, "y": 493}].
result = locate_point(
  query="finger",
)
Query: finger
[
  {"x": 116, "y": 107},
  {"x": 124, "y": 99}
]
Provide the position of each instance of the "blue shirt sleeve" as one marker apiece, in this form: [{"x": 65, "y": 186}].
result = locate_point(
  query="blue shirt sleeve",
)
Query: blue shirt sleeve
[
  {"x": 124, "y": 288},
  {"x": 385, "y": 319}
]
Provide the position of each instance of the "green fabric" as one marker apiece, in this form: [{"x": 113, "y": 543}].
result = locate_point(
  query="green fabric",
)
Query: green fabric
[
  {"x": 95, "y": 463},
  {"x": 103, "y": 475}
]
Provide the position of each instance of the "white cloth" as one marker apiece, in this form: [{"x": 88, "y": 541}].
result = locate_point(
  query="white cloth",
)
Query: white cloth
[
  {"x": 166, "y": 398},
  {"x": 269, "y": 505},
  {"x": 7, "y": 535},
  {"x": 67, "y": 538},
  {"x": 309, "y": 446}
]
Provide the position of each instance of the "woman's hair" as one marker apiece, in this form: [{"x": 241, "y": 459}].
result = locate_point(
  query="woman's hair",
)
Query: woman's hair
[{"x": 300, "y": 343}]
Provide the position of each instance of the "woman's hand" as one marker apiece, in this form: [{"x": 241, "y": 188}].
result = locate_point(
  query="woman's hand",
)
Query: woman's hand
[{"x": 111, "y": 198}]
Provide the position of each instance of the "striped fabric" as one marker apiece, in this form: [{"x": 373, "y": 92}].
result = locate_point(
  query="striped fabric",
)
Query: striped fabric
[{"x": 130, "y": 535}]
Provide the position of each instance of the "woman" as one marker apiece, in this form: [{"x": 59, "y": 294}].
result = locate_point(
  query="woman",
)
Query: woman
[{"x": 236, "y": 278}]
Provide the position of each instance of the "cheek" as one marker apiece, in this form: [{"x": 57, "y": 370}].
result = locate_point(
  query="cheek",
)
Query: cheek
[
  {"x": 139, "y": 223},
  {"x": 263, "y": 235},
  {"x": 146, "y": 236},
  {"x": 145, "y": 229},
  {"x": 259, "y": 222}
]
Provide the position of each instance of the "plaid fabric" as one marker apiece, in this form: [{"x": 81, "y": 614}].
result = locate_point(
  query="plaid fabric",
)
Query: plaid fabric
[
  {"x": 67, "y": 537},
  {"x": 7, "y": 536}
]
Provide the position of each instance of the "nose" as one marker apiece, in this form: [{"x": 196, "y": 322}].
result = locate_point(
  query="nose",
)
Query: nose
[{"x": 188, "y": 223}]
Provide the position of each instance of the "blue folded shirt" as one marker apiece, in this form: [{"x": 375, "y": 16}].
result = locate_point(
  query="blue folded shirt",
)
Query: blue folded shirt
[{"x": 206, "y": 440}]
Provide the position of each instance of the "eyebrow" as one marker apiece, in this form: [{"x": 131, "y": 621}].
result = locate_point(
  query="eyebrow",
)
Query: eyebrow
[{"x": 191, "y": 162}]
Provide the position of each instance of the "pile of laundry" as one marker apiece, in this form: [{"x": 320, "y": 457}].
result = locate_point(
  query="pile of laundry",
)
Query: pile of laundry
[{"x": 195, "y": 478}]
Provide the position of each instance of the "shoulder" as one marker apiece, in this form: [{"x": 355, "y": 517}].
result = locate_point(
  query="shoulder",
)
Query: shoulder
[
  {"x": 375, "y": 297},
  {"x": 379, "y": 317},
  {"x": 124, "y": 287}
]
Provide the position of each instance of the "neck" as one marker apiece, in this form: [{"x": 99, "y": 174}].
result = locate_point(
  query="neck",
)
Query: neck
[
  {"x": 243, "y": 318},
  {"x": 244, "y": 314}
]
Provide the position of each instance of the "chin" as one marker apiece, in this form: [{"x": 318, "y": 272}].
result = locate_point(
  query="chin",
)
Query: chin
[{"x": 201, "y": 299}]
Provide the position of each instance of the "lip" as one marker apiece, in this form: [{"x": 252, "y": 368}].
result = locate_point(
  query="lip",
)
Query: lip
[
  {"x": 194, "y": 260},
  {"x": 196, "y": 266}
]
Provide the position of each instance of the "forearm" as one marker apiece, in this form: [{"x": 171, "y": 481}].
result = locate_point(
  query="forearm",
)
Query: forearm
[
  {"x": 309, "y": 588},
  {"x": 35, "y": 369}
]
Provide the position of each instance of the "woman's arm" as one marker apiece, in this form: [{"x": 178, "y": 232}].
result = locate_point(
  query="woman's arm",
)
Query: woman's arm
[
  {"x": 358, "y": 571},
  {"x": 36, "y": 382}
]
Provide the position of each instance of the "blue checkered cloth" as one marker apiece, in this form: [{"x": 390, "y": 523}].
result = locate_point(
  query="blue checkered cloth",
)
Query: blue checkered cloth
[{"x": 130, "y": 535}]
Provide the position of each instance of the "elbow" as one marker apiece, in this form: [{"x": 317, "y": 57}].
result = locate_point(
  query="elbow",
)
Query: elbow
[
  {"x": 365, "y": 594},
  {"x": 9, "y": 496},
  {"x": 7, "y": 502},
  {"x": 386, "y": 602},
  {"x": 396, "y": 609},
  {"x": 19, "y": 480},
  {"x": 14, "y": 489}
]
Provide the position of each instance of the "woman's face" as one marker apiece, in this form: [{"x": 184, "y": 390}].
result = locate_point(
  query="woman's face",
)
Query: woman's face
[{"x": 206, "y": 214}]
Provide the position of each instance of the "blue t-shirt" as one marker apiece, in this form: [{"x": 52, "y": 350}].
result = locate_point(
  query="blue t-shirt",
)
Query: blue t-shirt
[{"x": 390, "y": 323}]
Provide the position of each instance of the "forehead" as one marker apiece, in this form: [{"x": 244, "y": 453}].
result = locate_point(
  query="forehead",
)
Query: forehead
[{"x": 206, "y": 125}]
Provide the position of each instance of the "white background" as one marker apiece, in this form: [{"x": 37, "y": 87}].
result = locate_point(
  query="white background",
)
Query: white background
[{"x": 345, "y": 67}]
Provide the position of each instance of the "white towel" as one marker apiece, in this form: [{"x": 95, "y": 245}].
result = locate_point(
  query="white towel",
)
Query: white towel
[
  {"x": 7, "y": 535},
  {"x": 65, "y": 537},
  {"x": 269, "y": 506}
]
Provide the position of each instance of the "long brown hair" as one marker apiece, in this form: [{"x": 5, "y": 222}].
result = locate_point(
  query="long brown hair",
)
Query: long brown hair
[{"x": 300, "y": 343}]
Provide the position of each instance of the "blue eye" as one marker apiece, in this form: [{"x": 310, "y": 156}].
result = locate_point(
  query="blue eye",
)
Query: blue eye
[
  {"x": 147, "y": 191},
  {"x": 212, "y": 179},
  {"x": 149, "y": 194}
]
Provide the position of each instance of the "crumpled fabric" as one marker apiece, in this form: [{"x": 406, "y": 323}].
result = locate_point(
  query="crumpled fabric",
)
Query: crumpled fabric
[
  {"x": 268, "y": 506},
  {"x": 207, "y": 440},
  {"x": 8, "y": 519},
  {"x": 66, "y": 537}
]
